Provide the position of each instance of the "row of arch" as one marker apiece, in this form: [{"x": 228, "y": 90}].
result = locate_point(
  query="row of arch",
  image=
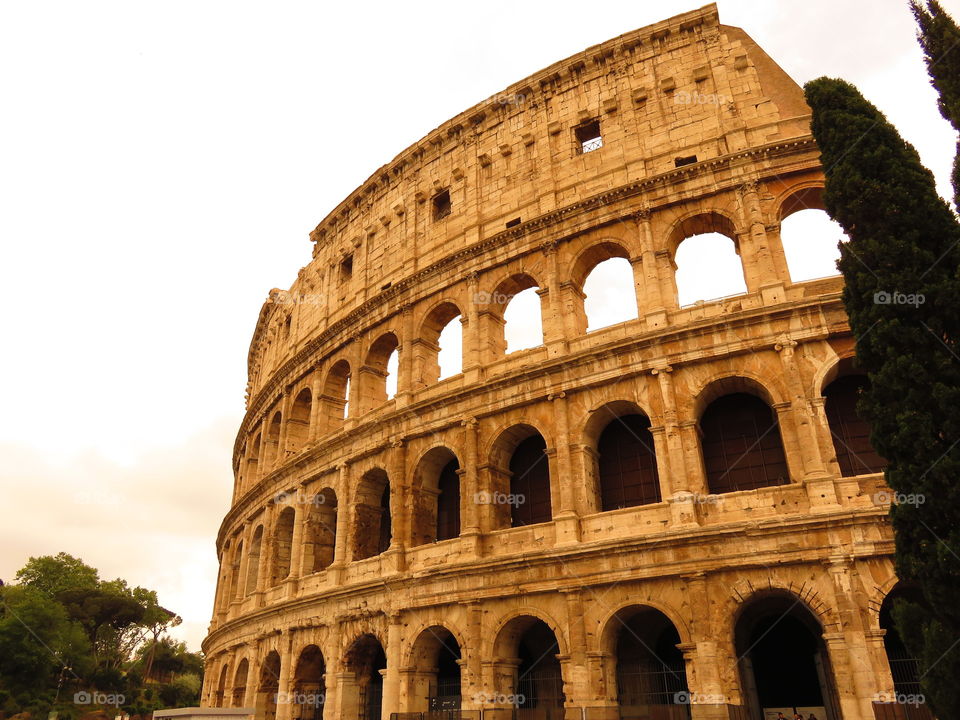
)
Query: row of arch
[
  {"x": 740, "y": 444},
  {"x": 781, "y": 661},
  {"x": 435, "y": 349}
]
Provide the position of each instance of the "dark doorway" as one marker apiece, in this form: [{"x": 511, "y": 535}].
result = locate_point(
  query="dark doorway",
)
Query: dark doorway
[{"x": 539, "y": 686}]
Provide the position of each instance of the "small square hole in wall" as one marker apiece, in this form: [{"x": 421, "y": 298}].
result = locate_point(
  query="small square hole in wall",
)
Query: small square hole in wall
[
  {"x": 588, "y": 136},
  {"x": 346, "y": 268},
  {"x": 441, "y": 205}
]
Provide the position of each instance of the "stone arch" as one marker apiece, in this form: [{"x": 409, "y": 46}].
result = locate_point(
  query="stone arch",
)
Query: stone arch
[
  {"x": 309, "y": 682},
  {"x": 320, "y": 531},
  {"x": 610, "y": 259},
  {"x": 522, "y": 489},
  {"x": 526, "y": 652},
  {"x": 849, "y": 430},
  {"x": 623, "y": 470},
  {"x": 268, "y": 686},
  {"x": 298, "y": 426},
  {"x": 219, "y": 695},
  {"x": 372, "y": 530},
  {"x": 271, "y": 455},
  {"x": 427, "y": 349},
  {"x": 703, "y": 230},
  {"x": 807, "y": 233},
  {"x": 334, "y": 400},
  {"x": 360, "y": 687},
  {"x": 741, "y": 440},
  {"x": 494, "y": 309},
  {"x": 280, "y": 566},
  {"x": 253, "y": 459},
  {"x": 241, "y": 677},
  {"x": 436, "y": 498},
  {"x": 436, "y": 679},
  {"x": 640, "y": 643},
  {"x": 253, "y": 560},
  {"x": 766, "y": 621},
  {"x": 373, "y": 374}
]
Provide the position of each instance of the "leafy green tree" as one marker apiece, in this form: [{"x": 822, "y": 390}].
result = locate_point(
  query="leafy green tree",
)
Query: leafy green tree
[
  {"x": 939, "y": 37},
  {"x": 903, "y": 239},
  {"x": 38, "y": 642},
  {"x": 55, "y": 574}
]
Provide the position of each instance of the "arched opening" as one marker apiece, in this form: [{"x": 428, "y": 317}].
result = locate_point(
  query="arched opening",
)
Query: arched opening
[
  {"x": 707, "y": 259},
  {"x": 393, "y": 373},
  {"x": 309, "y": 687},
  {"x": 742, "y": 447},
  {"x": 438, "y": 352},
  {"x": 253, "y": 560},
  {"x": 271, "y": 459},
  {"x": 363, "y": 692},
  {"x": 904, "y": 667},
  {"x": 521, "y": 465},
  {"x": 235, "y": 571},
  {"x": 239, "y": 694},
  {"x": 282, "y": 546},
  {"x": 810, "y": 238},
  {"x": 375, "y": 372},
  {"x": 298, "y": 428},
  {"x": 610, "y": 294},
  {"x": 536, "y": 682},
  {"x": 253, "y": 460},
  {"x": 850, "y": 431},
  {"x": 522, "y": 319},
  {"x": 650, "y": 669},
  {"x": 320, "y": 533},
  {"x": 435, "y": 682},
  {"x": 372, "y": 527},
  {"x": 335, "y": 393},
  {"x": 266, "y": 705},
  {"x": 627, "y": 464},
  {"x": 220, "y": 694},
  {"x": 784, "y": 665},
  {"x": 436, "y": 513}
]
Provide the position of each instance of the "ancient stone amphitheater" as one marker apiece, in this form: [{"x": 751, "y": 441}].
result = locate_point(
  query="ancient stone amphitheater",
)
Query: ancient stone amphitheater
[{"x": 675, "y": 516}]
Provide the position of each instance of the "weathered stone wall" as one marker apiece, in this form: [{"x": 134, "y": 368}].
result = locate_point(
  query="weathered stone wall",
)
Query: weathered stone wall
[{"x": 385, "y": 274}]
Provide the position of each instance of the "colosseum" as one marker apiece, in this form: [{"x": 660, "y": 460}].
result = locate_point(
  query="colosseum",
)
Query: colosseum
[{"x": 678, "y": 515}]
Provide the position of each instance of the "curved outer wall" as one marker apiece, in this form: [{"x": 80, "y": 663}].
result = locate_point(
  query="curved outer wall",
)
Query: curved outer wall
[{"x": 386, "y": 271}]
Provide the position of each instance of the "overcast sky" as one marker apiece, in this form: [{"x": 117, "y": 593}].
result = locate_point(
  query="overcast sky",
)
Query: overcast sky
[{"x": 161, "y": 166}]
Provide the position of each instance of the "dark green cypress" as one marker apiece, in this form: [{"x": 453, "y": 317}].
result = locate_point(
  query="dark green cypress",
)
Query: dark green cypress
[
  {"x": 939, "y": 37},
  {"x": 904, "y": 239}
]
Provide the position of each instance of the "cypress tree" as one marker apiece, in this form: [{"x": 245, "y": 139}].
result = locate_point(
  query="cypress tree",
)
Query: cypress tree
[
  {"x": 939, "y": 37},
  {"x": 902, "y": 297}
]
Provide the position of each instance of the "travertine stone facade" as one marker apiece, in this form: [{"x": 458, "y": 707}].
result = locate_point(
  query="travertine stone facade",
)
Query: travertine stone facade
[{"x": 701, "y": 132}]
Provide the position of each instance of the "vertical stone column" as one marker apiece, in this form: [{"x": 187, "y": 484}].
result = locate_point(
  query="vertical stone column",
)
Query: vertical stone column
[
  {"x": 471, "y": 348},
  {"x": 702, "y": 656},
  {"x": 470, "y": 533},
  {"x": 551, "y": 310},
  {"x": 760, "y": 271},
  {"x": 262, "y": 469},
  {"x": 285, "y": 406},
  {"x": 651, "y": 305},
  {"x": 471, "y": 668},
  {"x": 684, "y": 481},
  {"x": 316, "y": 404},
  {"x": 345, "y": 520},
  {"x": 566, "y": 517},
  {"x": 284, "y": 682},
  {"x": 245, "y": 562},
  {"x": 391, "y": 676},
  {"x": 302, "y": 510},
  {"x": 803, "y": 441},
  {"x": 399, "y": 494},
  {"x": 576, "y": 680},
  {"x": 666, "y": 274},
  {"x": 405, "y": 369}
]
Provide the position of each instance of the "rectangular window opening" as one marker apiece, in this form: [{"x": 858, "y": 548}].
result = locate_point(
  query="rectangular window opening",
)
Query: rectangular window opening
[
  {"x": 513, "y": 223},
  {"x": 588, "y": 136},
  {"x": 441, "y": 205},
  {"x": 346, "y": 268},
  {"x": 688, "y": 160}
]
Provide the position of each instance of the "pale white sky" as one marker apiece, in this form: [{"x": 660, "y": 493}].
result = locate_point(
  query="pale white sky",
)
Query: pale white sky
[{"x": 161, "y": 165}]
